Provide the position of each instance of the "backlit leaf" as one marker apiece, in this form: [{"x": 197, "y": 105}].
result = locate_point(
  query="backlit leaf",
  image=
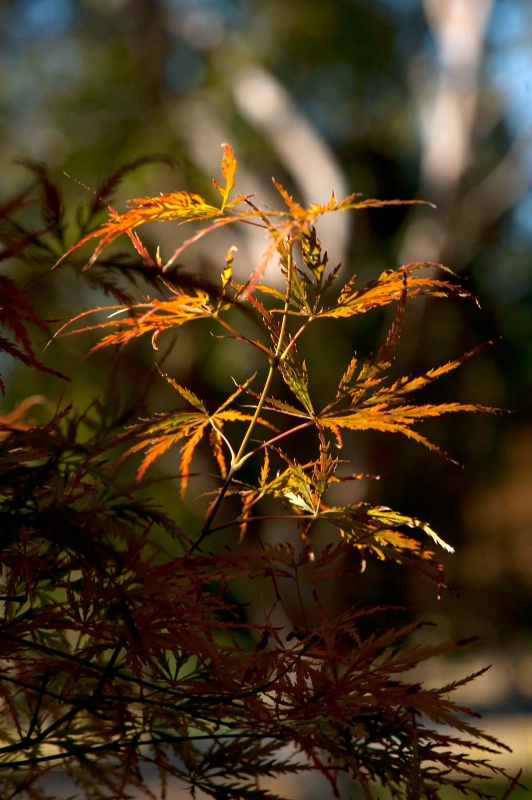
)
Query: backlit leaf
[
  {"x": 387, "y": 419},
  {"x": 389, "y": 516},
  {"x": 390, "y": 287},
  {"x": 294, "y": 207},
  {"x": 152, "y": 317},
  {"x": 165, "y": 430},
  {"x": 188, "y": 394},
  {"x": 228, "y": 171},
  {"x": 294, "y": 373},
  {"x": 378, "y": 529},
  {"x": 181, "y": 206}
]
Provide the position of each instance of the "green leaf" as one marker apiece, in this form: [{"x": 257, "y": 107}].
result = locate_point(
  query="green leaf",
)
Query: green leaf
[{"x": 294, "y": 374}]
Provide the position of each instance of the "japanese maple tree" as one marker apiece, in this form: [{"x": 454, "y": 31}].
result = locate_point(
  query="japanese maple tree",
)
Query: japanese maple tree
[{"x": 130, "y": 641}]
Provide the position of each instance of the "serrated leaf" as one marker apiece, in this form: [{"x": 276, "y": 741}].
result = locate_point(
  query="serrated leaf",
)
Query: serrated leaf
[
  {"x": 316, "y": 261},
  {"x": 16, "y": 312},
  {"x": 377, "y": 530},
  {"x": 265, "y": 469},
  {"x": 242, "y": 387},
  {"x": 299, "y": 300},
  {"x": 387, "y": 515},
  {"x": 382, "y": 417},
  {"x": 183, "y": 206},
  {"x": 293, "y": 484},
  {"x": 324, "y": 468},
  {"x": 227, "y": 273},
  {"x": 294, "y": 207},
  {"x": 228, "y": 171},
  {"x": 387, "y": 350},
  {"x": 298, "y": 502},
  {"x": 153, "y": 317},
  {"x": 164, "y": 431},
  {"x": 405, "y": 385},
  {"x": 273, "y": 404},
  {"x": 186, "y": 393},
  {"x": 294, "y": 374},
  {"x": 312, "y": 257},
  {"x": 390, "y": 287}
]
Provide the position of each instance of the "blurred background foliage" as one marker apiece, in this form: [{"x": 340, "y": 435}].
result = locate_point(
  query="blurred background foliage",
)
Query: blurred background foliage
[{"x": 391, "y": 98}]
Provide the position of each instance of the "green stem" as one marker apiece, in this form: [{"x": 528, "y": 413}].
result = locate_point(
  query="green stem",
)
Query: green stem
[{"x": 240, "y": 457}]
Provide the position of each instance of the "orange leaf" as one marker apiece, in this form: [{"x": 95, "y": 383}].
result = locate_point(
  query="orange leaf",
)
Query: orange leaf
[
  {"x": 229, "y": 165},
  {"x": 289, "y": 200},
  {"x": 184, "y": 206},
  {"x": 187, "y": 451},
  {"x": 228, "y": 170}
]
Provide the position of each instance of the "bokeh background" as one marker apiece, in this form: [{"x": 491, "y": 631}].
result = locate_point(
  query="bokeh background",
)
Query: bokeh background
[{"x": 426, "y": 99}]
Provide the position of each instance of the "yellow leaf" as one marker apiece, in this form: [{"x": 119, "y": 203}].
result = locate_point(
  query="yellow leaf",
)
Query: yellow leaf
[
  {"x": 264, "y": 469},
  {"x": 298, "y": 502},
  {"x": 188, "y": 395},
  {"x": 227, "y": 274},
  {"x": 393, "y": 517}
]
